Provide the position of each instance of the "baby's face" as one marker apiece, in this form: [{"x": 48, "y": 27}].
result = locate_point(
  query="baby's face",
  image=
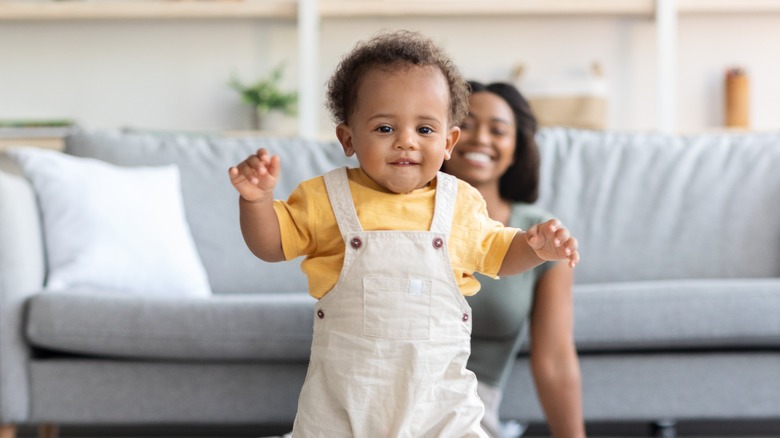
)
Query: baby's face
[{"x": 400, "y": 129}]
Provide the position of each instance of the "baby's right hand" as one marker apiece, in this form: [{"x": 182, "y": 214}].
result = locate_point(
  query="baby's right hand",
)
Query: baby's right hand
[{"x": 256, "y": 177}]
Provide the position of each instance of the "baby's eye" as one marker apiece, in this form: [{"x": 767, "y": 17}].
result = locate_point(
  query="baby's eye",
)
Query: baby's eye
[
  {"x": 425, "y": 130},
  {"x": 384, "y": 129}
]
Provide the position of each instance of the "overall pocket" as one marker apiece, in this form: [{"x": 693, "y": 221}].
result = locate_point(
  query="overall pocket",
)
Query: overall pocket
[{"x": 397, "y": 308}]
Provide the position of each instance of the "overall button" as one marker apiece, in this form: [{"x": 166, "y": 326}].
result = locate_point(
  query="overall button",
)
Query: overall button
[
  {"x": 320, "y": 314},
  {"x": 438, "y": 243},
  {"x": 465, "y": 317},
  {"x": 355, "y": 242}
]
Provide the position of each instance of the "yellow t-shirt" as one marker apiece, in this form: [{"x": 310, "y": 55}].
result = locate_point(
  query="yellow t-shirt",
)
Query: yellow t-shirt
[{"x": 308, "y": 227}]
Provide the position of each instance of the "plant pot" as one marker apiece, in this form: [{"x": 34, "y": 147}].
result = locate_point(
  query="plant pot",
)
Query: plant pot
[{"x": 270, "y": 120}]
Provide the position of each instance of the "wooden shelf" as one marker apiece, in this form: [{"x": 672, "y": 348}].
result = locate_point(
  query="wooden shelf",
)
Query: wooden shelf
[
  {"x": 727, "y": 6},
  {"x": 128, "y": 9},
  {"x": 443, "y": 8},
  {"x": 183, "y": 9},
  {"x": 401, "y": 8}
]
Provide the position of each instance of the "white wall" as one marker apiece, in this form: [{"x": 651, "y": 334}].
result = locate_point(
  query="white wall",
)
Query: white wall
[
  {"x": 489, "y": 50},
  {"x": 166, "y": 74},
  {"x": 710, "y": 44},
  {"x": 172, "y": 74}
]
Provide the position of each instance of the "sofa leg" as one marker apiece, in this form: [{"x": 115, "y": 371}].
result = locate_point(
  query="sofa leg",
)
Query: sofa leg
[
  {"x": 48, "y": 431},
  {"x": 665, "y": 429},
  {"x": 7, "y": 431}
]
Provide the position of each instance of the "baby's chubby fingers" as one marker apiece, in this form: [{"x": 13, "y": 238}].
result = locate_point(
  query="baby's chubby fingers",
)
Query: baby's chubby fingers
[
  {"x": 273, "y": 166},
  {"x": 540, "y": 235},
  {"x": 239, "y": 174},
  {"x": 254, "y": 167},
  {"x": 256, "y": 176},
  {"x": 561, "y": 235},
  {"x": 260, "y": 160},
  {"x": 264, "y": 163},
  {"x": 552, "y": 241},
  {"x": 571, "y": 249}
]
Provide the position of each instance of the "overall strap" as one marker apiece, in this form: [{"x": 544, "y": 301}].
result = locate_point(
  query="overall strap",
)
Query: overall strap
[
  {"x": 337, "y": 185},
  {"x": 446, "y": 193}
]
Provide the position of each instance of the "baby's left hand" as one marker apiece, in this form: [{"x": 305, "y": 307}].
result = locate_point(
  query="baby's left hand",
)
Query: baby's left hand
[{"x": 552, "y": 241}]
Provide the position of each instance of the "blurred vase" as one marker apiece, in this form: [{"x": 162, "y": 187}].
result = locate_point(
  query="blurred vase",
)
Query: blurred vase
[
  {"x": 269, "y": 120},
  {"x": 737, "y": 96}
]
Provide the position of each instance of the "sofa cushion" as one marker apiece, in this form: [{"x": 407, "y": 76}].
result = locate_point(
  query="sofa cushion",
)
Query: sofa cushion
[
  {"x": 239, "y": 327},
  {"x": 650, "y": 206},
  {"x": 211, "y": 202},
  {"x": 118, "y": 228},
  {"x": 677, "y": 314}
]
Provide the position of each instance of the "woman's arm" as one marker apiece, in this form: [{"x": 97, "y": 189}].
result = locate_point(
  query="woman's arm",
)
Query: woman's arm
[{"x": 554, "y": 360}]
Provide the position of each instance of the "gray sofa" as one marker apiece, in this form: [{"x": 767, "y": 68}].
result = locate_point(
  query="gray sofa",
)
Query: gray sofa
[{"x": 677, "y": 297}]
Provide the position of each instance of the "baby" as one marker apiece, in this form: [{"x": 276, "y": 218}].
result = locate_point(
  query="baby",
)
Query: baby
[{"x": 390, "y": 249}]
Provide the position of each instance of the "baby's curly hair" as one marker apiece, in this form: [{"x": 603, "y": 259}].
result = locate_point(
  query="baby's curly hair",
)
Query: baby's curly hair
[{"x": 391, "y": 50}]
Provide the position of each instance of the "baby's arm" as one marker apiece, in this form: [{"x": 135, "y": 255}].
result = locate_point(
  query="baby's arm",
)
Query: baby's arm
[
  {"x": 548, "y": 241},
  {"x": 255, "y": 179}
]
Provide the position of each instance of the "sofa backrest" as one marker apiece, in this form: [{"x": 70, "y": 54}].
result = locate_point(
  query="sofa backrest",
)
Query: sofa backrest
[
  {"x": 650, "y": 206},
  {"x": 211, "y": 202},
  {"x": 644, "y": 206}
]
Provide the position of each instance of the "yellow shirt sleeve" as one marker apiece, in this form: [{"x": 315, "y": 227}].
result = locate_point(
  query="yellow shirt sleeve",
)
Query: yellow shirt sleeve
[
  {"x": 308, "y": 228},
  {"x": 477, "y": 242},
  {"x": 302, "y": 217}
]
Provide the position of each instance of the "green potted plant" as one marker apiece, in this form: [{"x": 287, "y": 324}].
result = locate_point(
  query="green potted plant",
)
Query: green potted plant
[{"x": 267, "y": 98}]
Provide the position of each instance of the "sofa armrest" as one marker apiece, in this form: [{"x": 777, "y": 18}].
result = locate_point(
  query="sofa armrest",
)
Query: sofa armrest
[{"x": 22, "y": 274}]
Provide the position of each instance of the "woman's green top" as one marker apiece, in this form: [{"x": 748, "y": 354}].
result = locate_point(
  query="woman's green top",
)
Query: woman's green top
[{"x": 501, "y": 310}]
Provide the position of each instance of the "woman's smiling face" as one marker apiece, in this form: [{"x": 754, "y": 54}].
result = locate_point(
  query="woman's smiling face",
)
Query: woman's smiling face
[
  {"x": 400, "y": 128},
  {"x": 487, "y": 142}
]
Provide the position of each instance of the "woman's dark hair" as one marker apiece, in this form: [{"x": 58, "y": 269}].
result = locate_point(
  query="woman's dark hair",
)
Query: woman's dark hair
[
  {"x": 520, "y": 182},
  {"x": 391, "y": 50}
]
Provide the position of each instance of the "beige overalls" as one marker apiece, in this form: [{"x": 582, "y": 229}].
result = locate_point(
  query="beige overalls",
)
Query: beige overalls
[{"x": 392, "y": 338}]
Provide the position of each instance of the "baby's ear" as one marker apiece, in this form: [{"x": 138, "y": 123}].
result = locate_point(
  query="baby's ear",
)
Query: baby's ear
[
  {"x": 452, "y": 139},
  {"x": 344, "y": 134}
]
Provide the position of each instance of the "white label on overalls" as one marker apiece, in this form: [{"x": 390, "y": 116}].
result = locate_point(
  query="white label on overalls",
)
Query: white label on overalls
[{"x": 415, "y": 287}]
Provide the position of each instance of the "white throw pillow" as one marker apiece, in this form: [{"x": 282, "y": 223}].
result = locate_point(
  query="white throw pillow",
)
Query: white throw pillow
[{"x": 112, "y": 228}]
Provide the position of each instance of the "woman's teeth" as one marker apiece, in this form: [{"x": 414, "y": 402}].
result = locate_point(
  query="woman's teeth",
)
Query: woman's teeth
[{"x": 477, "y": 156}]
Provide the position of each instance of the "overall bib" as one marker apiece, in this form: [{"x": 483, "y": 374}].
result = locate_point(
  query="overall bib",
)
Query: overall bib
[{"x": 392, "y": 338}]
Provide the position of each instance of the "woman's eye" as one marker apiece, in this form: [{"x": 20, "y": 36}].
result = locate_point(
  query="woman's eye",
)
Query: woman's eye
[
  {"x": 498, "y": 132},
  {"x": 466, "y": 126}
]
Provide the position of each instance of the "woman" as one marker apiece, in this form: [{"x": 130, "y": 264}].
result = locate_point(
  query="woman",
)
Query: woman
[{"x": 498, "y": 155}]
